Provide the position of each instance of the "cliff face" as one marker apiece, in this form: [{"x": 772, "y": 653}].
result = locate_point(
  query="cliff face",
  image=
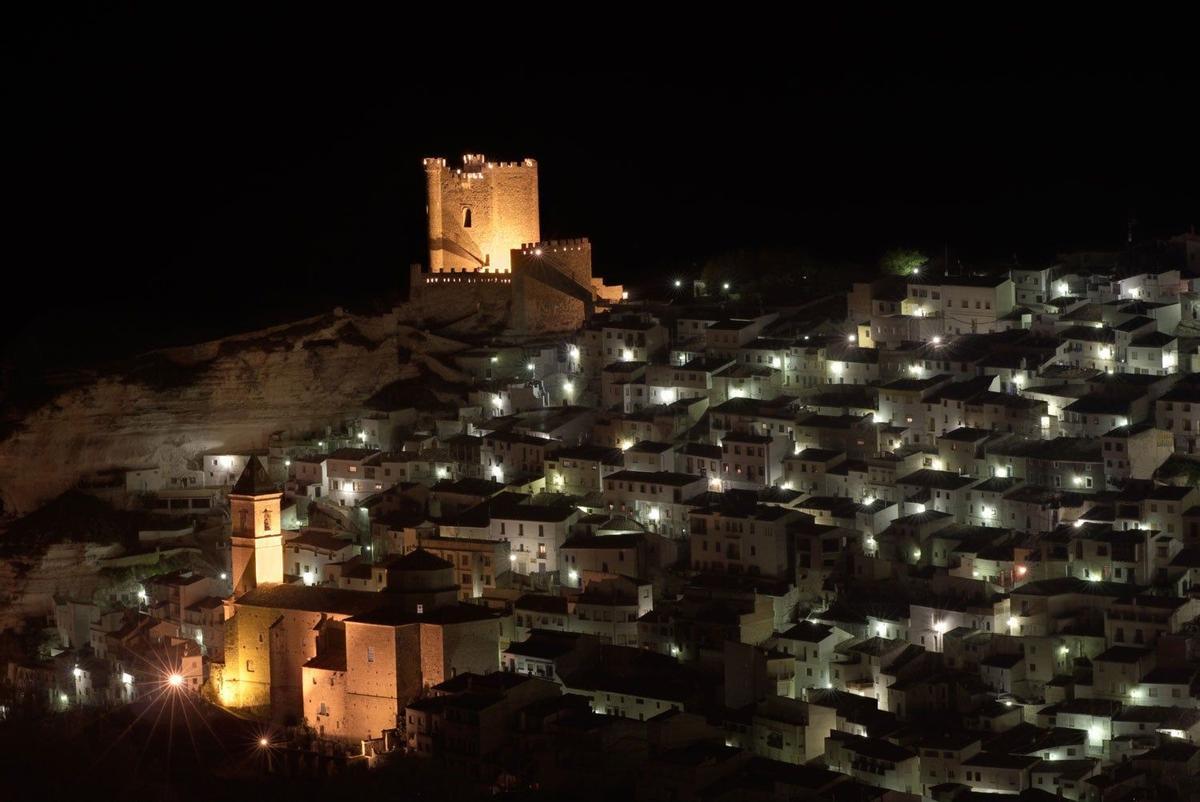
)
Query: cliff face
[{"x": 225, "y": 395}]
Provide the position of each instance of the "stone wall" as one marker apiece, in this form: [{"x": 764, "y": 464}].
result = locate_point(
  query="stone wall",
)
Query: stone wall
[
  {"x": 265, "y": 651},
  {"x": 572, "y": 257},
  {"x": 325, "y": 687},
  {"x": 538, "y": 308},
  {"x": 502, "y": 200},
  {"x": 451, "y": 649},
  {"x": 377, "y": 690}
]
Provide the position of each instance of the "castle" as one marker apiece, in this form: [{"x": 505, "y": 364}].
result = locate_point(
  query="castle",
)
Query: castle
[{"x": 486, "y": 251}]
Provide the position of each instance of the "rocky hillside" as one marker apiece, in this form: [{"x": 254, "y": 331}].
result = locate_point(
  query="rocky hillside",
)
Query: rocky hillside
[{"x": 225, "y": 395}]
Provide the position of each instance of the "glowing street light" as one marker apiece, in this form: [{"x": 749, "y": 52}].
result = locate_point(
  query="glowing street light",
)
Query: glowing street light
[
  {"x": 175, "y": 680},
  {"x": 936, "y": 340},
  {"x": 678, "y": 283},
  {"x": 851, "y": 337},
  {"x": 264, "y": 742}
]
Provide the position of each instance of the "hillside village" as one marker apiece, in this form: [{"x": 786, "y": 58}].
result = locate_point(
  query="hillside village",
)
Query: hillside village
[{"x": 659, "y": 540}]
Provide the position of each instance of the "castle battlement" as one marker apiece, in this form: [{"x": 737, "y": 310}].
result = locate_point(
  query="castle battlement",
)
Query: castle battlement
[
  {"x": 467, "y": 277},
  {"x": 556, "y": 245},
  {"x": 475, "y": 165}
]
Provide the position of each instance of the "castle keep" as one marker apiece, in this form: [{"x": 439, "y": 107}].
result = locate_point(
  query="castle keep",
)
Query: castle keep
[
  {"x": 479, "y": 213},
  {"x": 486, "y": 255}
]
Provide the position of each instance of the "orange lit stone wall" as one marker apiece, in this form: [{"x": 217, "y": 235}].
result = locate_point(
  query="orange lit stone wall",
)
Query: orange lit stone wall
[
  {"x": 325, "y": 687},
  {"x": 503, "y": 202},
  {"x": 377, "y": 690},
  {"x": 265, "y": 651}
]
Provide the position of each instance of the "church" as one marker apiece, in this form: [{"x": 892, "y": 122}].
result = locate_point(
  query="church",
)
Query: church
[{"x": 344, "y": 662}]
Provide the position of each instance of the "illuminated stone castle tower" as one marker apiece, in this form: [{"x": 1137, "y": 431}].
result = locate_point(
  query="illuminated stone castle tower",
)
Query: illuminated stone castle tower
[
  {"x": 478, "y": 214},
  {"x": 257, "y": 539}
]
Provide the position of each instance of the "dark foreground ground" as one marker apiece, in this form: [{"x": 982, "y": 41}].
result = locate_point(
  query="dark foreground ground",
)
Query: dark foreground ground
[{"x": 180, "y": 749}]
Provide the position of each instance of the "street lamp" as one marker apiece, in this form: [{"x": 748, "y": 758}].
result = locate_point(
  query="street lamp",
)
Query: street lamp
[{"x": 175, "y": 680}]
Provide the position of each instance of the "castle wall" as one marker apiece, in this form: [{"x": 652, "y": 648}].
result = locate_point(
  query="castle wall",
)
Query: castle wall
[
  {"x": 439, "y": 298},
  {"x": 503, "y": 202},
  {"x": 572, "y": 257},
  {"x": 497, "y": 272},
  {"x": 537, "y": 307}
]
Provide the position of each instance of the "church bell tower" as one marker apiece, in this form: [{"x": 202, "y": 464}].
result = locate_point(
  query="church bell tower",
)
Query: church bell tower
[{"x": 256, "y": 536}]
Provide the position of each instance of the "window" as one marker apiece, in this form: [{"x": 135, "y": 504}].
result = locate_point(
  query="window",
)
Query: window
[
  {"x": 466, "y": 217},
  {"x": 370, "y": 654}
]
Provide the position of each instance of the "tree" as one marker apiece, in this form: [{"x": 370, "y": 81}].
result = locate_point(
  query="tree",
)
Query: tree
[{"x": 903, "y": 261}]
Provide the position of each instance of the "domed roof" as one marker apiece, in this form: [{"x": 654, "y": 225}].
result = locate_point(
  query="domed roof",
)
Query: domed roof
[{"x": 420, "y": 560}]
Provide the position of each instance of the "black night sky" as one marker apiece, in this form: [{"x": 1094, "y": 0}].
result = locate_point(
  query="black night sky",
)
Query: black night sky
[{"x": 159, "y": 162}]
